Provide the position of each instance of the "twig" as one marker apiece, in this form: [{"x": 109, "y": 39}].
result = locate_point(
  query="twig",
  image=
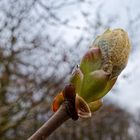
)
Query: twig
[{"x": 53, "y": 123}]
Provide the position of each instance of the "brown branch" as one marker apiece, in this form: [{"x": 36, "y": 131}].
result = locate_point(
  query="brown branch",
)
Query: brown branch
[{"x": 53, "y": 123}]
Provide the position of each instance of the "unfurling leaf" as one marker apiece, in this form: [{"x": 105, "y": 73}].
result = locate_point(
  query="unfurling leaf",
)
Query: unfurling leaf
[
  {"x": 76, "y": 79},
  {"x": 93, "y": 84},
  {"x": 97, "y": 73}
]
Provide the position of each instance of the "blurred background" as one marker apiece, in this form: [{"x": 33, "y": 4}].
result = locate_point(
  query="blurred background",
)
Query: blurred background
[{"x": 40, "y": 43}]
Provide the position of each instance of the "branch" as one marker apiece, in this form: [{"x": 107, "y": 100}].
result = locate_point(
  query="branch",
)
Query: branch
[{"x": 53, "y": 123}]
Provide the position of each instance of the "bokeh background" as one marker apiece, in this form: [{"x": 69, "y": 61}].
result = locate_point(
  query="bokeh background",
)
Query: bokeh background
[{"x": 40, "y": 43}]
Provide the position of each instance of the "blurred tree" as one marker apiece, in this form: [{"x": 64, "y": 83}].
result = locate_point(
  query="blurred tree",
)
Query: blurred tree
[
  {"x": 135, "y": 129},
  {"x": 23, "y": 85}
]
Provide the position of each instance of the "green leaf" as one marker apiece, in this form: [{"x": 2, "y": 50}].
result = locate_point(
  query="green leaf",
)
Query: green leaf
[{"x": 93, "y": 85}]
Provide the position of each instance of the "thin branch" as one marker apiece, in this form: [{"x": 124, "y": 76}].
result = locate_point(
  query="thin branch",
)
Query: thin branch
[{"x": 52, "y": 124}]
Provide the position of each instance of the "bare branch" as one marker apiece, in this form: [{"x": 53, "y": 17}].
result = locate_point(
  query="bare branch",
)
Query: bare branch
[{"x": 53, "y": 123}]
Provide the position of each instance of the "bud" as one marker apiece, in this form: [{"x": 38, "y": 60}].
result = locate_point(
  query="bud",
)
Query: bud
[
  {"x": 97, "y": 73},
  {"x": 115, "y": 49}
]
